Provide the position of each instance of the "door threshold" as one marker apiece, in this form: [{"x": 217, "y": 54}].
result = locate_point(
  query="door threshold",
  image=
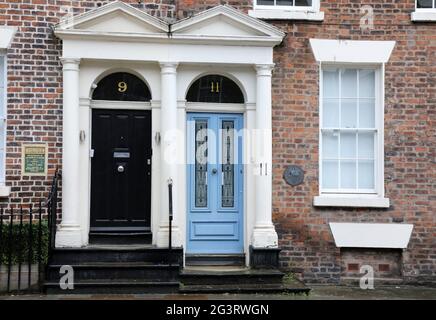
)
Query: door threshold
[{"x": 231, "y": 260}]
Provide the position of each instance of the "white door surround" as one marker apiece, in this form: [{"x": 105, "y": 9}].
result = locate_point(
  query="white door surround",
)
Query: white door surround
[{"x": 221, "y": 40}]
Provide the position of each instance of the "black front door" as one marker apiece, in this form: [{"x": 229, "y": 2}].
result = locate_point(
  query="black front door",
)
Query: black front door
[{"x": 121, "y": 170}]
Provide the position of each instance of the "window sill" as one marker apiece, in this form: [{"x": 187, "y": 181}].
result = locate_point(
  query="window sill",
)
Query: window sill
[
  {"x": 286, "y": 15},
  {"x": 425, "y": 16},
  {"x": 355, "y": 201},
  {"x": 5, "y": 191}
]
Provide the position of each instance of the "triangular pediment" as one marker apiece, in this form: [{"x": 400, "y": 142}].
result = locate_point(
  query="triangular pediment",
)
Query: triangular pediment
[
  {"x": 120, "y": 21},
  {"x": 225, "y": 21},
  {"x": 115, "y": 17}
]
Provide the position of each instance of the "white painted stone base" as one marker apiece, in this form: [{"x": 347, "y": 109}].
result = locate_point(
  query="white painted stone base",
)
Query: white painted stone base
[
  {"x": 162, "y": 237},
  {"x": 264, "y": 237},
  {"x": 69, "y": 236}
]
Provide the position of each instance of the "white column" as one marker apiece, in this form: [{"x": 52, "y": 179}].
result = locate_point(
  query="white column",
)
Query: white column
[
  {"x": 69, "y": 231},
  {"x": 168, "y": 153},
  {"x": 264, "y": 234}
]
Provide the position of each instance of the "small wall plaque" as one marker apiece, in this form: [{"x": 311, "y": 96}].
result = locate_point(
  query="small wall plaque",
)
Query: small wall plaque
[
  {"x": 293, "y": 175},
  {"x": 34, "y": 160}
]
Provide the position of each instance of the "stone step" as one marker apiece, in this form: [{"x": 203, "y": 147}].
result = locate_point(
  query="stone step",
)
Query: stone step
[
  {"x": 215, "y": 260},
  {"x": 120, "y": 238},
  {"x": 243, "y": 288},
  {"x": 116, "y": 253},
  {"x": 114, "y": 287},
  {"x": 117, "y": 270},
  {"x": 229, "y": 275}
]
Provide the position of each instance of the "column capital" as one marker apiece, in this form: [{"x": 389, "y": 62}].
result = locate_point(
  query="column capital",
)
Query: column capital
[
  {"x": 168, "y": 67},
  {"x": 264, "y": 69},
  {"x": 70, "y": 63}
]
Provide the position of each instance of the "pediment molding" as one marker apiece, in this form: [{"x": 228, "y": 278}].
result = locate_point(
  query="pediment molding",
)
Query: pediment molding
[{"x": 219, "y": 25}]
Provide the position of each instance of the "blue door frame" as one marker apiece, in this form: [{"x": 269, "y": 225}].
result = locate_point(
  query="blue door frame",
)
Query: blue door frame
[{"x": 215, "y": 206}]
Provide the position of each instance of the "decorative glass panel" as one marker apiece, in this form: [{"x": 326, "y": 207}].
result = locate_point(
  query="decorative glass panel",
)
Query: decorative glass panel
[
  {"x": 201, "y": 163},
  {"x": 121, "y": 86},
  {"x": 228, "y": 167}
]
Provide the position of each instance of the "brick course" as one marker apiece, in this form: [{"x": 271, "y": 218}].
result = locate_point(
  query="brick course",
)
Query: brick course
[{"x": 35, "y": 115}]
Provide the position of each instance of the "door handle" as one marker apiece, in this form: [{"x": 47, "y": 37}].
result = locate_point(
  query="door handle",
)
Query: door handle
[{"x": 120, "y": 169}]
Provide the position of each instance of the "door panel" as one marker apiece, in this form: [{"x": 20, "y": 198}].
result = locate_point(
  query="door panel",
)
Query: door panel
[
  {"x": 215, "y": 183},
  {"x": 121, "y": 170}
]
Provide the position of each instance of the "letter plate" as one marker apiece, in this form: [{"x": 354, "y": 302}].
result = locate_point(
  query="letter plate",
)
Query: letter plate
[{"x": 122, "y": 155}]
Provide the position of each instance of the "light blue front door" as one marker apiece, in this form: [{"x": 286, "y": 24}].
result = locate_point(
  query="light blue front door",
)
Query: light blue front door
[{"x": 215, "y": 183}]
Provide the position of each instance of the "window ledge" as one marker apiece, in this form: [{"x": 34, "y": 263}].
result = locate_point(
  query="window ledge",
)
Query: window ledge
[
  {"x": 286, "y": 15},
  {"x": 5, "y": 191},
  {"x": 351, "y": 201},
  {"x": 424, "y": 16}
]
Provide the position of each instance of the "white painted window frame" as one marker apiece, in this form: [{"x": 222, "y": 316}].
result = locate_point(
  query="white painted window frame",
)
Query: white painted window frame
[
  {"x": 311, "y": 13},
  {"x": 357, "y": 197},
  {"x": 379, "y": 115},
  {"x": 313, "y": 8},
  {"x": 424, "y": 14}
]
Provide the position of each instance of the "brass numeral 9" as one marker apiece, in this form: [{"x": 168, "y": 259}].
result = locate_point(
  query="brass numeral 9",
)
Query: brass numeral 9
[{"x": 122, "y": 86}]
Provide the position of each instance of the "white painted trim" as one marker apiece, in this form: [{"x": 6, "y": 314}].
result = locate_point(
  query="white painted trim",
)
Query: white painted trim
[
  {"x": 233, "y": 14},
  {"x": 6, "y": 35},
  {"x": 4, "y": 117},
  {"x": 351, "y": 51},
  {"x": 351, "y": 200},
  {"x": 286, "y": 14},
  {"x": 423, "y": 16},
  {"x": 5, "y": 191},
  {"x": 215, "y": 107},
  {"x": 110, "y": 8},
  {"x": 120, "y": 105},
  {"x": 371, "y": 235}
]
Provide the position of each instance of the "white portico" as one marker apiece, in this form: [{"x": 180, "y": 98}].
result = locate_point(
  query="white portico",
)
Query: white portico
[{"x": 120, "y": 38}]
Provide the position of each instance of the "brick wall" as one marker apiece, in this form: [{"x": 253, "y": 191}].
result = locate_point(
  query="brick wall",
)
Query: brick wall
[{"x": 35, "y": 114}]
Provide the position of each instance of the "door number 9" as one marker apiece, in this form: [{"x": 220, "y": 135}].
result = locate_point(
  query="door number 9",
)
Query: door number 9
[{"x": 122, "y": 86}]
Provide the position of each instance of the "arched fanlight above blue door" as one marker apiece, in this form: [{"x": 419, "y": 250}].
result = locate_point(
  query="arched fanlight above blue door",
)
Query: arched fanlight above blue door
[
  {"x": 121, "y": 86},
  {"x": 215, "y": 89}
]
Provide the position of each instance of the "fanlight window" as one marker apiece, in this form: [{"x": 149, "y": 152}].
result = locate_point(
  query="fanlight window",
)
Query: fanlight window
[
  {"x": 215, "y": 89},
  {"x": 121, "y": 86}
]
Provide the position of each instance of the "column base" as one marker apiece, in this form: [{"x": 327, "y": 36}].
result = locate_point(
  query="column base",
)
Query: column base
[
  {"x": 163, "y": 234},
  {"x": 69, "y": 236},
  {"x": 264, "y": 237}
]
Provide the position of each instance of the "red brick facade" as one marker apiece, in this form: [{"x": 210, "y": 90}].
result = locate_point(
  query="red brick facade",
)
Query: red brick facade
[{"x": 35, "y": 114}]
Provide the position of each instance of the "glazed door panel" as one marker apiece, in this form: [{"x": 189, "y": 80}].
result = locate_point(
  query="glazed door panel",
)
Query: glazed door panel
[{"x": 215, "y": 183}]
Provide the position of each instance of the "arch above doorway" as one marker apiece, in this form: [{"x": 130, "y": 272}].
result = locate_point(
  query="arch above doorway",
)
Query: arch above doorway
[
  {"x": 121, "y": 86},
  {"x": 215, "y": 88}
]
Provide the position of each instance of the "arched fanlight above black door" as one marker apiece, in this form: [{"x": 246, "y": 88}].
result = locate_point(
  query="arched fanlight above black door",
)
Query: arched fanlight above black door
[
  {"x": 121, "y": 86},
  {"x": 215, "y": 89}
]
